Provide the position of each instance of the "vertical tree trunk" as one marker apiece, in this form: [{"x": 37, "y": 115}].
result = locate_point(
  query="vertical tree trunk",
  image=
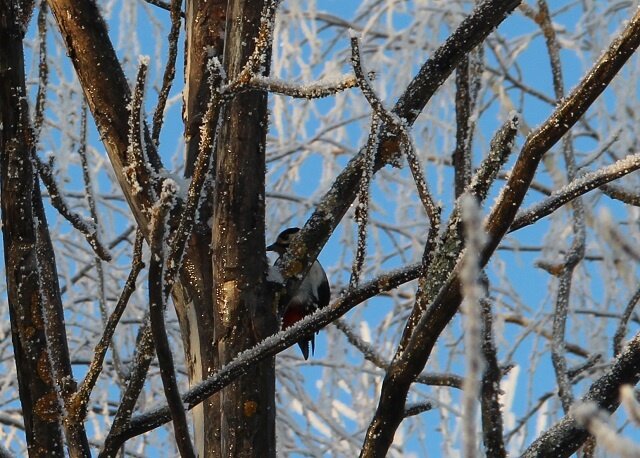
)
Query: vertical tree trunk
[
  {"x": 37, "y": 323},
  {"x": 242, "y": 300}
]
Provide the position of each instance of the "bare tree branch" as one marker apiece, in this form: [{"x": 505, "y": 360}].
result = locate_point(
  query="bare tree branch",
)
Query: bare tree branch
[
  {"x": 156, "y": 315},
  {"x": 566, "y": 436}
]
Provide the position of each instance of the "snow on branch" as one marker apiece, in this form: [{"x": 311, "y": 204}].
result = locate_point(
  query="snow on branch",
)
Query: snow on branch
[
  {"x": 567, "y": 435},
  {"x": 362, "y": 209},
  {"x": 137, "y": 159},
  {"x": 269, "y": 347},
  {"x": 577, "y": 187},
  {"x": 596, "y": 421},
  {"x": 259, "y": 57},
  {"x": 500, "y": 148},
  {"x": 621, "y": 330},
  {"x": 162, "y": 5},
  {"x": 314, "y": 90},
  {"x": 43, "y": 69},
  {"x": 370, "y": 354}
]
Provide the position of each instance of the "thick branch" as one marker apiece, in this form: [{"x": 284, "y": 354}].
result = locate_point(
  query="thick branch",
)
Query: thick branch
[
  {"x": 566, "y": 436},
  {"x": 85, "y": 34}
]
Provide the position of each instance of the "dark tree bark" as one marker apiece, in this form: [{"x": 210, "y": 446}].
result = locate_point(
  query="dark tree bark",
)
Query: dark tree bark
[
  {"x": 37, "y": 322},
  {"x": 244, "y": 316}
]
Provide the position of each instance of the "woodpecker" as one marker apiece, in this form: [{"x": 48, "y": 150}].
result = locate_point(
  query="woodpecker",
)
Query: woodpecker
[{"x": 313, "y": 293}]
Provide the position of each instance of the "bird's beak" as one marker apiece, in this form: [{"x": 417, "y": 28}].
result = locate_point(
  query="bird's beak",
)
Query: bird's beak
[{"x": 271, "y": 247}]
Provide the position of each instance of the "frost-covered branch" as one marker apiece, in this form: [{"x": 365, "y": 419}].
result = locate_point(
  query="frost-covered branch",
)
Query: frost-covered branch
[
  {"x": 576, "y": 252},
  {"x": 567, "y": 435},
  {"x": 258, "y": 59},
  {"x": 314, "y": 90},
  {"x": 270, "y": 347},
  {"x": 577, "y": 187},
  {"x": 395, "y": 126},
  {"x": 137, "y": 169},
  {"x": 417, "y": 408},
  {"x": 169, "y": 71},
  {"x": 142, "y": 360},
  {"x": 621, "y": 194},
  {"x": 468, "y": 78},
  {"x": 500, "y": 148},
  {"x": 362, "y": 209},
  {"x": 162, "y": 4},
  {"x": 43, "y": 70}
]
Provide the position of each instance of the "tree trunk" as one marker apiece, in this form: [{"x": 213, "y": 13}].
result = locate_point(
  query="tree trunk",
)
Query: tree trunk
[
  {"x": 43, "y": 366},
  {"x": 244, "y": 316}
]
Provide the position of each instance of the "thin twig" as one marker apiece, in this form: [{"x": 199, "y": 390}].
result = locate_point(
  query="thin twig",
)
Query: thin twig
[
  {"x": 100, "y": 351},
  {"x": 143, "y": 355},
  {"x": 362, "y": 209},
  {"x": 621, "y": 330},
  {"x": 138, "y": 170},
  {"x": 500, "y": 148},
  {"x": 163, "y": 5},
  {"x": 369, "y": 353},
  {"x": 43, "y": 69},
  {"x": 461, "y": 157},
  {"x": 576, "y": 252},
  {"x": 169, "y": 71},
  {"x": 87, "y": 228},
  {"x": 417, "y": 408},
  {"x": 395, "y": 126}
]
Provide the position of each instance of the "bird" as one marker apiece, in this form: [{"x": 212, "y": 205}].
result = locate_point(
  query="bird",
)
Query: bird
[{"x": 312, "y": 294}]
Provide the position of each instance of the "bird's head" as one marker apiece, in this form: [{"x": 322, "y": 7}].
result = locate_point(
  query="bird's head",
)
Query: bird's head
[{"x": 284, "y": 239}]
